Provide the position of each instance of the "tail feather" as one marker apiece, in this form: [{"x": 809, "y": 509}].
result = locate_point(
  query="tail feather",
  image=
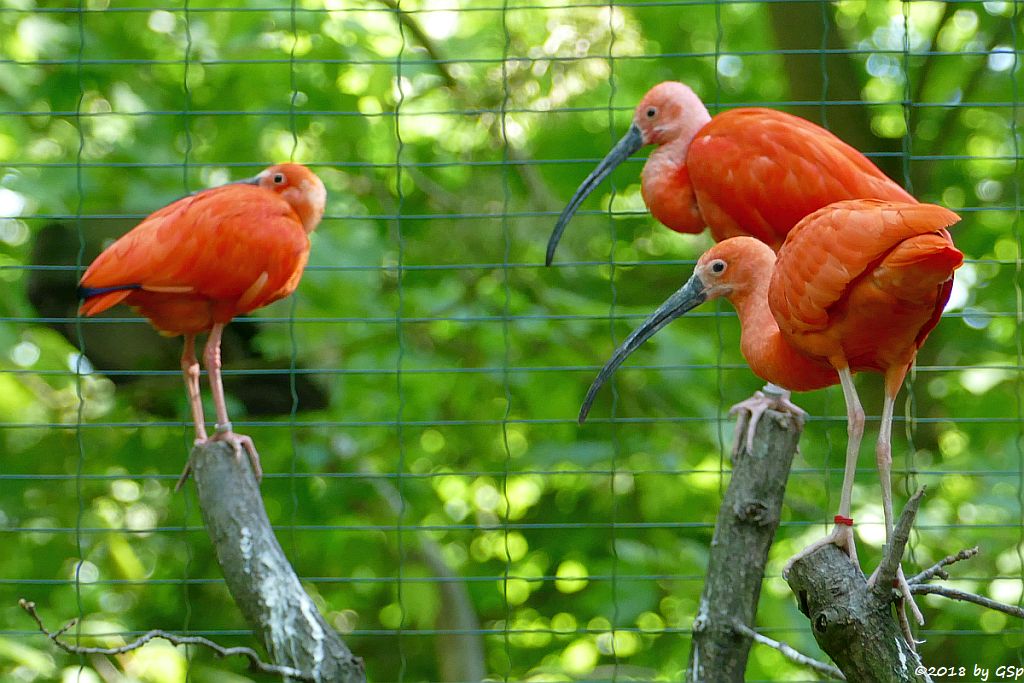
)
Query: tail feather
[
  {"x": 932, "y": 251},
  {"x": 99, "y": 299},
  {"x": 916, "y": 266}
]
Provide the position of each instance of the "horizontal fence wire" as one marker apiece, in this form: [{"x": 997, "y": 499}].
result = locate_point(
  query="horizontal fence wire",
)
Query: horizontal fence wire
[{"x": 430, "y": 357}]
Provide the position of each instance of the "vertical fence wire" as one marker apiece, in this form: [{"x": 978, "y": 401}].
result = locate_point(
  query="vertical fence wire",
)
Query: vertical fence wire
[
  {"x": 80, "y": 359},
  {"x": 293, "y": 300},
  {"x": 910, "y": 412},
  {"x": 186, "y": 187},
  {"x": 826, "y": 27},
  {"x": 614, "y": 390},
  {"x": 506, "y": 349},
  {"x": 400, "y": 335},
  {"x": 1018, "y": 295},
  {"x": 719, "y": 378}
]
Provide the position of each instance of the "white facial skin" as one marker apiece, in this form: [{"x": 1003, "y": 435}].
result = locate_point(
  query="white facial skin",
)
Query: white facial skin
[{"x": 670, "y": 112}]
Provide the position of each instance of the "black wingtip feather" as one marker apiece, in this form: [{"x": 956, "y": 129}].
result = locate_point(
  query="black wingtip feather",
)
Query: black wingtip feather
[{"x": 89, "y": 292}]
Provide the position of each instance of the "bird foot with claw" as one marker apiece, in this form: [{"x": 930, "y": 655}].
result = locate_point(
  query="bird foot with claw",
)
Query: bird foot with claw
[
  {"x": 841, "y": 536},
  {"x": 756, "y": 405},
  {"x": 238, "y": 442}
]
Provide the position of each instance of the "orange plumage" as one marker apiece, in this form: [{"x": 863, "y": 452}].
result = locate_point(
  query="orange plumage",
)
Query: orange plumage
[
  {"x": 758, "y": 172},
  {"x": 857, "y": 286},
  {"x": 864, "y": 282},
  {"x": 747, "y": 171},
  {"x": 195, "y": 264}
]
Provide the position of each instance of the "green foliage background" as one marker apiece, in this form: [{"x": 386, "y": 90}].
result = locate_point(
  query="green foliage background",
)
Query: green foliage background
[{"x": 439, "y": 361}]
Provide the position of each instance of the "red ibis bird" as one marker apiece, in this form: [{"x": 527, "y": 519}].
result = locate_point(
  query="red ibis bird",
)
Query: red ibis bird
[
  {"x": 197, "y": 263},
  {"x": 857, "y": 286},
  {"x": 747, "y": 171}
]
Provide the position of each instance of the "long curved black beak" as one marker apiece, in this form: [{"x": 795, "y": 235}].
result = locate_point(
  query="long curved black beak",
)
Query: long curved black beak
[
  {"x": 688, "y": 297},
  {"x": 630, "y": 143}
]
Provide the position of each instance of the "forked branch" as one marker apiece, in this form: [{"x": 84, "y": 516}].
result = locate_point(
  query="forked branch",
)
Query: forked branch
[{"x": 853, "y": 623}]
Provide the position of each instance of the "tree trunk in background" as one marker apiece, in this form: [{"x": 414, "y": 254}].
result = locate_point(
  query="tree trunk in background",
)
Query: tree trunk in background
[{"x": 799, "y": 26}]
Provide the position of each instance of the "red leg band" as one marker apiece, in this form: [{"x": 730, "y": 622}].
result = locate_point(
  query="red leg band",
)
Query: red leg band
[{"x": 847, "y": 521}]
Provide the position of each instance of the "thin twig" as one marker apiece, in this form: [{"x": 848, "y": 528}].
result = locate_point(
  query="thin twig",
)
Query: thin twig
[
  {"x": 954, "y": 594},
  {"x": 255, "y": 663},
  {"x": 788, "y": 652},
  {"x": 938, "y": 569},
  {"x": 887, "y": 568}
]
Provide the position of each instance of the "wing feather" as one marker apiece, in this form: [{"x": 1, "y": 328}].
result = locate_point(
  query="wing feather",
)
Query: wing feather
[
  {"x": 826, "y": 253},
  {"x": 215, "y": 245},
  {"x": 760, "y": 171}
]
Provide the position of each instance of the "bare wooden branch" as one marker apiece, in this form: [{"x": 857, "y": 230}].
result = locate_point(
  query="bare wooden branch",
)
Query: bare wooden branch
[
  {"x": 939, "y": 568},
  {"x": 789, "y": 653},
  {"x": 255, "y": 663},
  {"x": 259, "y": 576},
  {"x": 918, "y": 585},
  {"x": 955, "y": 594},
  {"x": 893, "y": 554},
  {"x": 744, "y": 532},
  {"x": 851, "y": 622}
]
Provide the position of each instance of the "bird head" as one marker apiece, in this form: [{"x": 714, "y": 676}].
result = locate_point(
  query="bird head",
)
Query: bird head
[
  {"x": 729, "y": 269},
  {"x": 732, "y": 267},
  {"x": 298, "y": 186},
  {"x": 669, "y": 112}
]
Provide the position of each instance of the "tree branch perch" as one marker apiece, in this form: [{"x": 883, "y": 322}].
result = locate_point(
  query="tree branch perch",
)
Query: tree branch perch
[
  {"x": 744, "y": 532},
  {"x": 259, "y": 576},
  {"x": 851, "y": 622}
]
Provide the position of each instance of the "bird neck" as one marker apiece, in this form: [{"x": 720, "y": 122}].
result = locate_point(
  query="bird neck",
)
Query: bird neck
[
  {"x": 310, "y": 217},
  {"x": 766, "y": 350},
  {"x": 307, "y": 200},
  {"x": 672, "y": 154},
  {"x": 751, "y": 303},
  {"x": 667, "y": 190}
]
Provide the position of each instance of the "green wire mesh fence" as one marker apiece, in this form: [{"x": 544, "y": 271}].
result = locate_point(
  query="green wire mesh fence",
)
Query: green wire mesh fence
[{"x": 415, "y": 401}]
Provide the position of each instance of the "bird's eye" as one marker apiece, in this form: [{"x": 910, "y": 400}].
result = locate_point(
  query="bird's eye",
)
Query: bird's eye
[
  {"x": 718, "y": 267},
  {"x": 651, "y": 112},
  {"x": 278, "y": 178}
]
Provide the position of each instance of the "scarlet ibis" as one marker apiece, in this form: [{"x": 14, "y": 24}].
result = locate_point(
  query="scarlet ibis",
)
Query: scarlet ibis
[
  {"x": 747, "y": 171},
  {"x": 857, "y": 286},
  {"x": 195, "y": 264}
]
